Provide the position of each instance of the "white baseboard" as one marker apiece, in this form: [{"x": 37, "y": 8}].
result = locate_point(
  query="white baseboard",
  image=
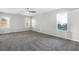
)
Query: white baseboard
[
  {"x": 66, "y": 37},
  {"x": 13, "y": 30}
]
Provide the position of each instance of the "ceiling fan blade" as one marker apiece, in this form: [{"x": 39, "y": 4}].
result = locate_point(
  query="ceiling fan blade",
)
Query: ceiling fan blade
[
  {"x": 32, "y": 11},
  {"x": 29, "y": 10}
]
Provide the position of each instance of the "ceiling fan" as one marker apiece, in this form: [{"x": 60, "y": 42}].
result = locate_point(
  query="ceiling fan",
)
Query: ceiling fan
[{"x": 28, "y": 11}]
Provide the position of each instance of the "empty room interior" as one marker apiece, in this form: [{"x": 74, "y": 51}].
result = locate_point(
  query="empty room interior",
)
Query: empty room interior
[{"x": 39, "y": 29}]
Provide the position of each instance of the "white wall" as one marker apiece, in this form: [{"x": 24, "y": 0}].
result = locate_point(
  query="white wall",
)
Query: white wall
[
  {"x": 74, "y": 17},
  {"x": 17, "y": 23},
  {"x": 46, "y": 23}
]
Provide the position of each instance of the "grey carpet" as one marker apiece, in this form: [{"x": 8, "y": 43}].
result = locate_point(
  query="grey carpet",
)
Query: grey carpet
[{"x": 33, "y": 41}]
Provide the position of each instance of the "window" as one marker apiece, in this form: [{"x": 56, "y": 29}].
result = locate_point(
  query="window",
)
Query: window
[
  {"x": 28, "y": 22},
  {"x": 4, "y": 22},
  {"x": 33, "y": 23},
  {"x": 62, "y": 21}
]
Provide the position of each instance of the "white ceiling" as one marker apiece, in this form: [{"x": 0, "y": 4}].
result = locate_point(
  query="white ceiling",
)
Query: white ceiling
[{"x": 22, "y": 11}]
